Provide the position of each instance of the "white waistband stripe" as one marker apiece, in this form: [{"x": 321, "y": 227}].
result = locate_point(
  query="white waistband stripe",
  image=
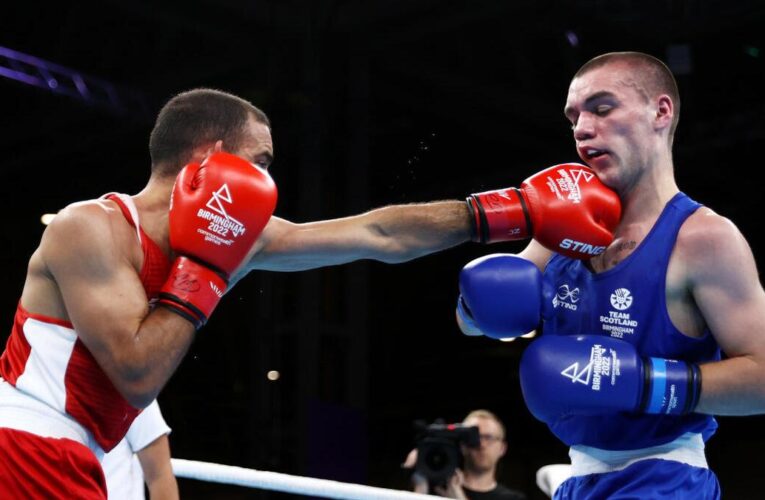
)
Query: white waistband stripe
[{"x": 687, "y": 449}]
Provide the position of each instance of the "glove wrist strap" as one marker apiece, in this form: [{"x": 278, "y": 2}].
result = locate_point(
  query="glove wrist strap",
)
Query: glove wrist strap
[
  {"x": 499, "y": 216},
  {"x": 192, "y": 290},
  {"x": 673, "y": 387}
]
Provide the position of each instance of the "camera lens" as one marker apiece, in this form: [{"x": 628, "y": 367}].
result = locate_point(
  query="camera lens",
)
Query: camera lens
[{"x": 437, "y": 459}]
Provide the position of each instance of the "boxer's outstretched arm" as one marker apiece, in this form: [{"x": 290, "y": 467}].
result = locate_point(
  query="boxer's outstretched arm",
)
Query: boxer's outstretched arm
[
  {"x": 392, "y": 234},
  {"x": 579, "y": 226},
  {"x": 724, "y": 283},
  {"x": 107, "y": 305}
]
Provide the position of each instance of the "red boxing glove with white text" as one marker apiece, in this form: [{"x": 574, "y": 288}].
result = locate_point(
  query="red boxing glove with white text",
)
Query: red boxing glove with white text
[
  {"x": 565, "y": 208},
  {"x": 217, "y": 211}
]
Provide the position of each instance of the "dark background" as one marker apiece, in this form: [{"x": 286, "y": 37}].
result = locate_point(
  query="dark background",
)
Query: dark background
[{"x": 372, "y": 103}]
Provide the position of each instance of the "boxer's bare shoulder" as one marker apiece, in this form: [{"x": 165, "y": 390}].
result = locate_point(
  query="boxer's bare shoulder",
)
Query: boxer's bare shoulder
[
  {"x": 90, "y": 236},
  {"x": 708, "y": 244}
]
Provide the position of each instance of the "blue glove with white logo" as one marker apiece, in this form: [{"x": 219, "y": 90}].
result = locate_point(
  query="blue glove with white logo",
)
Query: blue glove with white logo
[
  {"x": 594, "y": 375},
  {"x": 502, "y": 296}
]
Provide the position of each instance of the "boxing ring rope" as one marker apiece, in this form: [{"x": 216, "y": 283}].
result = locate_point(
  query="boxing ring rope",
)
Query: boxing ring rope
[{"x": 286, "y": 483}]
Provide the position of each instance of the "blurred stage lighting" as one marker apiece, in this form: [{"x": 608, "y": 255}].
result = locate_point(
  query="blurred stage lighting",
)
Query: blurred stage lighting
[
  {"x": 572, "y": 38},
  {"x": 47, "y": 218}
]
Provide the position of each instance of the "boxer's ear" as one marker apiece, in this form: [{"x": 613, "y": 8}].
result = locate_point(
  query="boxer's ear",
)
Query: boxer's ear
[
  {"x": 665, "y": 111},
  {"x": 203, "y": 151}
]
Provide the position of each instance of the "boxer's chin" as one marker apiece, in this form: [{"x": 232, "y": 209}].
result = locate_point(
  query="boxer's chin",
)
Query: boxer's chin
[{"x": 606, "y": 169}]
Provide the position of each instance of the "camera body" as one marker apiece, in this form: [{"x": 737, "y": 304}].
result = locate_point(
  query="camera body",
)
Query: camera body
[{"x": 438, "y": 450}]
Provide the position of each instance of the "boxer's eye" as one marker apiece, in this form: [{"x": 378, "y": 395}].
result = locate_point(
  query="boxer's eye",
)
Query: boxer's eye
[
  {"x": 263, "y": 161},
  {"x": 602, "y": 109}
]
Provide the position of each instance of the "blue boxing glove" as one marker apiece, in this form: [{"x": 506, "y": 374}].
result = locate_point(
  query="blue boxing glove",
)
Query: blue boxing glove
[
  {"x": 502, "y": 296},
  {"x": 594, "y": 375}
]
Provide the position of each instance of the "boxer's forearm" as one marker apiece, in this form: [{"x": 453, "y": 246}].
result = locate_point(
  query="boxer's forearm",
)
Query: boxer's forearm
[
  {"x": 405, "y": 232},
  {"x": 392, "y": 234},
  {"x": 733, "y": 386}
]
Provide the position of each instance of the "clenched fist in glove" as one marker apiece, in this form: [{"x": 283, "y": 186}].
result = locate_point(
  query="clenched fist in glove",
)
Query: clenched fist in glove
[
  {"x": 565, "y": 208},
  {"x": 217, "y": 211}
]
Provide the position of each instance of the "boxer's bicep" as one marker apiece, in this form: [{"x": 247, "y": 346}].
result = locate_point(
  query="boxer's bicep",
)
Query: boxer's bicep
[
  {"x": 725, "y": 287},
  {"x": 287, "y": 246},
  {"x": 101, "y": 291}
]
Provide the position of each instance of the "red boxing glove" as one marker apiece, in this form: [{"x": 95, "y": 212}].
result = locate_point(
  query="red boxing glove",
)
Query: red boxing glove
[
  {"x": 565, "y": 208},
  {"x": 217, "y": 211}
]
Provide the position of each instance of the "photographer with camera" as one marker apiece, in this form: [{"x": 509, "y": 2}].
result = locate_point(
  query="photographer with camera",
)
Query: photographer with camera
[{"x": 460, "y": 460}]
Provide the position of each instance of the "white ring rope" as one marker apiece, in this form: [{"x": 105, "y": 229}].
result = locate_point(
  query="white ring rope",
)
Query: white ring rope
[{"x": 275, "y": 481}]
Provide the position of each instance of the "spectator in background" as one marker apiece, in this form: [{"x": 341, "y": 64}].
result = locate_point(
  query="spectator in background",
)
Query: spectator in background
[{"x": 477, "y": 480}]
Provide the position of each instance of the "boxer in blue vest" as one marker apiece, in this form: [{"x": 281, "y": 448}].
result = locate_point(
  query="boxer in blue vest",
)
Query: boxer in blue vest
[{"x": 628, "y": 369}]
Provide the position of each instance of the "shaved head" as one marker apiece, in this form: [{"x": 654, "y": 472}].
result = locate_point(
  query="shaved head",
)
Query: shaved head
[{"x": 650, "y": 77}]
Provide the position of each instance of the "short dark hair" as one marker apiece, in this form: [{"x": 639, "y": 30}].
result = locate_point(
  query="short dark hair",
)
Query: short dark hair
[
  {"x": 197, "y": 117},
  {"x": 653, "y": 76}
]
